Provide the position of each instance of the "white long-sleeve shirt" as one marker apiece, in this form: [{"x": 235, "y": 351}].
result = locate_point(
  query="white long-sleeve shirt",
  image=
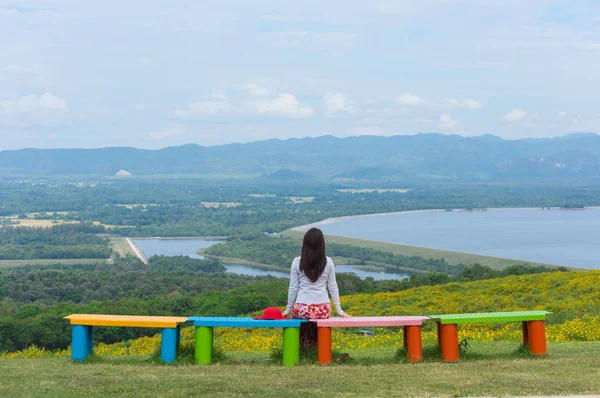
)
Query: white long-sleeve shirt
[{"x": 303, "y": 290}]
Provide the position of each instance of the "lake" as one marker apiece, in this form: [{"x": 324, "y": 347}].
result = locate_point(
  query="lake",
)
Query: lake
[
  {"x": 562, "y": 237},
  {"x": 189, "y": 247}
]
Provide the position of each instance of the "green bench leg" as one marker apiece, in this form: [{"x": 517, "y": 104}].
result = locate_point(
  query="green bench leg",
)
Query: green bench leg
[
  {"x": 204, "y": 344},
  {"x": 291, "y": 346}
]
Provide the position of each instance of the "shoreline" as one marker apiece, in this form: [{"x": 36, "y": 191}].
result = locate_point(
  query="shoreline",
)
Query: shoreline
[
  {"x": 305, "y": 227},
  {"x": 179, "y": 237}
]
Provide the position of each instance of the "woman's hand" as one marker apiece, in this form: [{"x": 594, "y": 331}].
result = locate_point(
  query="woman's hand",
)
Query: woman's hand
[
  {"x": 285, "y": 313},
  {"x": 344, "y": 315}
]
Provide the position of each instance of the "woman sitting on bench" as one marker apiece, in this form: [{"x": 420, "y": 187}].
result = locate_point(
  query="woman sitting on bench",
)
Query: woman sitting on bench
[{"x": 312, "y": 274}]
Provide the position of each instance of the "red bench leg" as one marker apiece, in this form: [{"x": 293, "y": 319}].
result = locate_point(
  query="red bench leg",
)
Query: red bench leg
[
  {"x": 449, "y": 337},
  {"x": 537, "y": 337},
  {"x": 324, "y": 354},
  {"x": 525, "y": 328},
  {"x": 413, "y": 342}
]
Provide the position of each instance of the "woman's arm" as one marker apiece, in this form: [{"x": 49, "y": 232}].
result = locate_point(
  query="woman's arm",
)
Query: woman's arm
[
  {"x": 334, "y": 291},
  {"x": 293, "y": 290}
]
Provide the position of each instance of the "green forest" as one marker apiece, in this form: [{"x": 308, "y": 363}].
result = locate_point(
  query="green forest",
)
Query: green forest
[
  {"x": 281, "y": 251},
  {"x": 58, "y": 242}
]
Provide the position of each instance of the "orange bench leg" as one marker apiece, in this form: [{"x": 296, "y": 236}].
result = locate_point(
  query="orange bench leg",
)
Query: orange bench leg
[
  {"x": 414, "y": 344},
  {"x": 324, "y": 353},
  {"x": 537, "y": 337},
  {"x": 525, "y": 327},
  {"x": 449, "y": 337}
]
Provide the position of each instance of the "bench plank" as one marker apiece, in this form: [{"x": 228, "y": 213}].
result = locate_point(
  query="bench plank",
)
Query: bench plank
[
  {"x": 126, "y": 320},
  {"x": 377, "y": 321},
  {"x": 489, "y": 317},
  {"x": 237, "y": 322}
]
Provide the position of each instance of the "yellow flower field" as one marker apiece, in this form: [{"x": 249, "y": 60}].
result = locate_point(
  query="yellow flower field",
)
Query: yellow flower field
[{"x": 572, "y": 297}]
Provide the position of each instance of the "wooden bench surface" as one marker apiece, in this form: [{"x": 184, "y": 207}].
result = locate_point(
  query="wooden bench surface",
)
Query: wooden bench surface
[
  {"x": 235, "y": 322},
  {"x": 126, "y": 320},
  {"x": 380, "y": 321},
  {"x": 488, "y": 317}
]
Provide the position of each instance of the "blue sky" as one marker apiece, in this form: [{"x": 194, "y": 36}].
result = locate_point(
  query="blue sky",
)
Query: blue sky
[{"x": 152, "y": 74}]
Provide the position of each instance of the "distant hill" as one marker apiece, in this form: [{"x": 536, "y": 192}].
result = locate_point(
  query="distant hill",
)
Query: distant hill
[{"x": 400, "y": 158}]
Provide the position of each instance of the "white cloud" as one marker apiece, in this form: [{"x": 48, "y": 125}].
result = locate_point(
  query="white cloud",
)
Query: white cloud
[
  {"x": 174, "y": 130},
  {"x": 368, "y": 130},
  {"x": 561, "y": 114},
  {"x": 13, "y": 68},
  {"x": 219, "y": 95},
  {"x": 146, "y": 61},
  {"x": 447, "y": 122},
  {"x": 284, "y": 104},
  {"x": 465, "y": 104},
  {"x": 516, "y": 115},
  {"x": 8, "y": 11},
  {"x": 409, "y": 99},
  {"x": 256, "y": 90},
  {"x": 216, "y": 103},
  {"x": 34, "y": 103},
  {"x": 337, "y": 102}
]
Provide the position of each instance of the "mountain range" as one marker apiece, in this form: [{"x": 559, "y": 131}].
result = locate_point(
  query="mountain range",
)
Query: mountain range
[{"x": 402, "y": 158}]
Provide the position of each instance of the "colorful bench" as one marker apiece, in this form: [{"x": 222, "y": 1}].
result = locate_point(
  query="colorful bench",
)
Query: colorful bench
[
  {"x": 83, "y": 332},
  {"x": 411, "y": 325},
  {"x": 534, "y": 334},
  {"x": 204, "y": 335}
]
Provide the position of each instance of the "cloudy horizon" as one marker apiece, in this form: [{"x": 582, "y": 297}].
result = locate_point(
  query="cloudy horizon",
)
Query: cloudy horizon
[{"x": 151, "y": 75}]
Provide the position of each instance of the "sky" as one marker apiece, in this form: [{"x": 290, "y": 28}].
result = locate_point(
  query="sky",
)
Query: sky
[{"x": 152, "y": 74}]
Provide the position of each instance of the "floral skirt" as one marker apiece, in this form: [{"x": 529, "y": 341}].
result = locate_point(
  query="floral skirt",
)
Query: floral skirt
[
  {"x": 308, "y": 330},
  {"x": 311, "y": 311}
]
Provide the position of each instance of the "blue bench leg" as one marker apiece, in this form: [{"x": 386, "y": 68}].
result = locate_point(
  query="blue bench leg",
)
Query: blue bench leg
[
  {"x": 79, "y": 345},
  {"x": 90, "y": 340},
  {"x": 168, "y": 345}
]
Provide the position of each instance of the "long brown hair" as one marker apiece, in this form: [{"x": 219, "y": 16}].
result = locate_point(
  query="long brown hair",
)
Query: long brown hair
[{"x": 313, "y": 260}]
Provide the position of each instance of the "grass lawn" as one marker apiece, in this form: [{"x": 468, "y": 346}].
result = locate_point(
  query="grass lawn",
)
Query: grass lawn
[
  {"x": 487, "y": 369},
  {"x": 405, "y": 250},
  {"x": 21, "y": 263}
]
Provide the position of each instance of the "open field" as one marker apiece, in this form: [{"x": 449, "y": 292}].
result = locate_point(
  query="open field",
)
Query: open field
[
  {"x": 216, "y": 205},
  {"x": 300, "y": 199},
  {"x": 29, "y": 222},
  {"x": 21, "y": 263},
  {"x": 121, "y": 247},
  {"x": 371, "y": 190},
  {"x": 405, "y": 250},
  {"x": 136, "y": 205},
  {"x": 492, "y": 369},
  {"x": 46, "y": 223}
]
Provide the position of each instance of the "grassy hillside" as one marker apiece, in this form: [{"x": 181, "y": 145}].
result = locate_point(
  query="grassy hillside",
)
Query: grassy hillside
[
  {"x": 567, "y": 294},
  {"x": 405, "y": 250}
]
